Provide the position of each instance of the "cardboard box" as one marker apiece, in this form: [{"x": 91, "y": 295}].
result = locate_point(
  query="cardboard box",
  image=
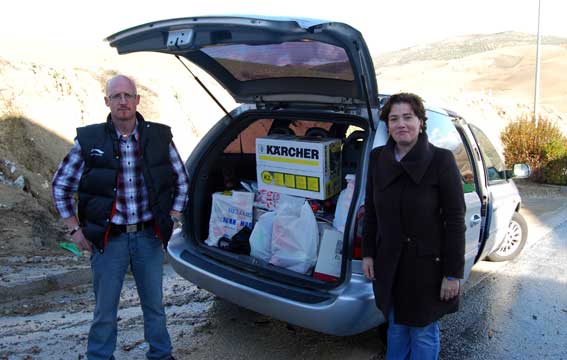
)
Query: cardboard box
[
  {"x": 328, "y": 267},
  {"x": 306, "y": 167}
]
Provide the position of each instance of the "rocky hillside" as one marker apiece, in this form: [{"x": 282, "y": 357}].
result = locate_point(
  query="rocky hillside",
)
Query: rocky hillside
[{"x": 463, "y": 46}]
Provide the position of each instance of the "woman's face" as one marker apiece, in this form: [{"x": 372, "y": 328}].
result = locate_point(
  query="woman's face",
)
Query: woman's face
[{"x": 403, "y": 124}]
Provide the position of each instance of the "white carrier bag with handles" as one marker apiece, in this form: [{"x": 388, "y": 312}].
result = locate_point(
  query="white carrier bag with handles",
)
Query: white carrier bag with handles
[
  {"x": 231, "y": 211},
  {"x": 261, "y": 237},
  {"x": 295, "y": 237}
]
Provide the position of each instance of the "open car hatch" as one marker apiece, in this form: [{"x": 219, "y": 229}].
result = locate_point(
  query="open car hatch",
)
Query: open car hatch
[{"x": 266, "y": 59}]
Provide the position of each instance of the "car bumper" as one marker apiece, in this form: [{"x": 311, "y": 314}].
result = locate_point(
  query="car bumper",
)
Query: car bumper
[{"x": 350, "y": 309}]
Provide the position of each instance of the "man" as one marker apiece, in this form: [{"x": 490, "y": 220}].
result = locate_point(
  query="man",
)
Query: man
[{"x": 130, "y": 182}]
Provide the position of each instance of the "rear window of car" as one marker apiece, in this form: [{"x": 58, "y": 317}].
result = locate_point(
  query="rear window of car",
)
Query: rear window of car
[
  {"x": 311, "y": 59},
  {"x": 246, "y": 141}
]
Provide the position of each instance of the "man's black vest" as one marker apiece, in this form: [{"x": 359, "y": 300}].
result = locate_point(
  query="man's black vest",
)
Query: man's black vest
[{"x": 97, "y": 188}]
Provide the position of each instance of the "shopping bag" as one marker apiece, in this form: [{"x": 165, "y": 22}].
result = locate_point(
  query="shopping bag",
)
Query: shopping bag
[
  {"x": 261, "y": 238},
  {"x": 295, "y": 238},
  {"x": 230, "y": 212}
]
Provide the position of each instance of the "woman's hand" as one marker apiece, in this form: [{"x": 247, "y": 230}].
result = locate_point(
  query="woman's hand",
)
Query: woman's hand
[
  {"x": 368, "y": 267},
  {"x": 449, "y": 289}
]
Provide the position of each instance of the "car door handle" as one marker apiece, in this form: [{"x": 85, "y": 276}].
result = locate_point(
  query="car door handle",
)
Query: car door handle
[{"x": 475, "y": 220}]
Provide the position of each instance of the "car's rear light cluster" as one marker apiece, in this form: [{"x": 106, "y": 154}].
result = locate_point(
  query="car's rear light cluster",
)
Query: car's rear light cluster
[{"x": 358, "y": 225}]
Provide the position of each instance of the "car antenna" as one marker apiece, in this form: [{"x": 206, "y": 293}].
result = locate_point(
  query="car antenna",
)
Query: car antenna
[{"x": 204, "y": 87}]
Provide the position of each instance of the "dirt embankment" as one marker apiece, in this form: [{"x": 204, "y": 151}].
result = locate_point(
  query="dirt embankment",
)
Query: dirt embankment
[{"x": 28, "y": 159}]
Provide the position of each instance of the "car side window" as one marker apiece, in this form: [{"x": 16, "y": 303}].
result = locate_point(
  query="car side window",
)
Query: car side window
[
  {"x": 494, "y": 165},
  {"x": 442, "y": 133}
]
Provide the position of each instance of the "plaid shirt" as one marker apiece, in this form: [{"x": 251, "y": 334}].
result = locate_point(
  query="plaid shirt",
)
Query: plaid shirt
[{"x": 131, "y": 192}]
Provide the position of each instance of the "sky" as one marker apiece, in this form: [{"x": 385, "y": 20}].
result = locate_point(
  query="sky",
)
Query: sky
[{"x": 386, "y": 25}]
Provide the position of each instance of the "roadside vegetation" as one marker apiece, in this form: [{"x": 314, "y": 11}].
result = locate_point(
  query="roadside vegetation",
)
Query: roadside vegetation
[{"x": 543, "y": 147}]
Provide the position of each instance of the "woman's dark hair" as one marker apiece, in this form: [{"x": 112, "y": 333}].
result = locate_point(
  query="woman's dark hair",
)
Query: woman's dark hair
[{"x": 412, "y": 100}]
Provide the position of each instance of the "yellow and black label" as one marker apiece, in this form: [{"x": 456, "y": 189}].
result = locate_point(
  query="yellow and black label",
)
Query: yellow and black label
[
  {"x": 279, "y": 179},
  {"x": 289, "y": 180},
  {"x": 313, "y": 183},
  {"x": 292, "y": 181},
  {"x": 301, "y": 182},
  {"x": 267, "y": 177}
]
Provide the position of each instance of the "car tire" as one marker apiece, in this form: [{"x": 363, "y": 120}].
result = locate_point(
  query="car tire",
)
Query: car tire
[{"x": 513, "y": 242}]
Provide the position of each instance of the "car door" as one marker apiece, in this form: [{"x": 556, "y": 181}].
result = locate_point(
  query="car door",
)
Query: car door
[
  {"x": 503, "y": 195},
  {"x": 442, "y": 132}
]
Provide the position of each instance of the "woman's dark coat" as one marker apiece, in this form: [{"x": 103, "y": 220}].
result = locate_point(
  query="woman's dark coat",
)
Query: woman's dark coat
[{"x": 414, "y": 230}]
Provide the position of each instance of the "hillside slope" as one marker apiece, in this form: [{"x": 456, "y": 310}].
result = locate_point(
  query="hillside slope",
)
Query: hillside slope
[{"x": 463, "y": 46}]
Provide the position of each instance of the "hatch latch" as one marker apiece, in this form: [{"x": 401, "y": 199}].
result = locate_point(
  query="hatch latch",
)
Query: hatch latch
[{"x": 179, "y": 39}]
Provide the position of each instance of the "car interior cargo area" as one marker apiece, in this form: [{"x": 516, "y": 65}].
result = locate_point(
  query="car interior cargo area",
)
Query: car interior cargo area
[{"x": 273, "y": 196}]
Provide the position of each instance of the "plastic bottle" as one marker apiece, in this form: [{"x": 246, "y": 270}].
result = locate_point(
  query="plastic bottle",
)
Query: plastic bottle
[{"x": 343, "y": 203}]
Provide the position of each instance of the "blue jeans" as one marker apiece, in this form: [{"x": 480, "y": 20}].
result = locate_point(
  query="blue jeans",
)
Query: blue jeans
[
  {"x": 143, "y": 252},
  {"x": 412, "y": 342}
]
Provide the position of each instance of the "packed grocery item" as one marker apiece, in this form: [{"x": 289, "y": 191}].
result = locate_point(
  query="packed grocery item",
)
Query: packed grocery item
[
  {"x": 300, "y": 166},
  {"x": 343, "y": 204},
  {"x": 295, "y": 238},
  {"x": 329, "y": 259},
  {"x": 261, "y": 238},
  {"x": 230, "y": 212}
]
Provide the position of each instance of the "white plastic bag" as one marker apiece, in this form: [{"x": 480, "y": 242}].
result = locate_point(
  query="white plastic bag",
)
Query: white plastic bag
[
  {"x": 261, "y": 237},
  {"x": 295, "y": 238},
  {"x": 230, "y": 212},
  {"x": 343, "y": 204}
]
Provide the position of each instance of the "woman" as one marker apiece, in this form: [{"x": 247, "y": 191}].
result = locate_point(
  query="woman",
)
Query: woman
[{"x": 413, "y": 245}]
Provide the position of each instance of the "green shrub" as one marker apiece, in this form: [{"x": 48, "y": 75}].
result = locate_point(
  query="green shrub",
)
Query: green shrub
[
  {"x": 542, "y": 147},
  {"x": 555, "y": 171}
]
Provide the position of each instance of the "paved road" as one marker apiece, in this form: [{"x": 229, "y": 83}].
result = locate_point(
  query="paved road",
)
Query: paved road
[{"x": 518, "y": 310}]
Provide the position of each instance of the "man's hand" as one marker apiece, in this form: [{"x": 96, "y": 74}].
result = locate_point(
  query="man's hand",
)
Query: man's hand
[
  {"x": 81, "y": 242},
  {"x": 78, "y": 237},
  {"x": 368, "y": 267},
  {"x": 449, "y": 289}
]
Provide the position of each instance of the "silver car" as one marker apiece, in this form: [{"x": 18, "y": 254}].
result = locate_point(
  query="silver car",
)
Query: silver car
[{"x": 309, "y": 78}]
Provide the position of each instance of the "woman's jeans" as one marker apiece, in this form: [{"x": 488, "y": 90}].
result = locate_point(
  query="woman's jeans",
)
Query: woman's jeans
[
  {"x": 143, "y": 252},
  {"x": 412, "y": 342}
]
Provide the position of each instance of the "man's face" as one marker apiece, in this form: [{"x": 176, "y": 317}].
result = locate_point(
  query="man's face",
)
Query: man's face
[{"x": 122, "y": 99}]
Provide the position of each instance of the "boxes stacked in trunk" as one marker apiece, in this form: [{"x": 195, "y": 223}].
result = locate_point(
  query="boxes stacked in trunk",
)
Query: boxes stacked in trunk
[{"x": 286, "y": 232}]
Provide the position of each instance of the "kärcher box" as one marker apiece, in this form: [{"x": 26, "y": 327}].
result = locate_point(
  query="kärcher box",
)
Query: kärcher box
[{"x": 300, "y": 166}]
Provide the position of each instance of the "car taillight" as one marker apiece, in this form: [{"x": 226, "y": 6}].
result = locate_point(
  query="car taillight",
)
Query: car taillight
[{"x": 358, "y": 225}]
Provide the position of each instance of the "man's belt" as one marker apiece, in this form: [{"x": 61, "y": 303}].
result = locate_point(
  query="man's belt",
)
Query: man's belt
[{"x": 130, "y": 228}]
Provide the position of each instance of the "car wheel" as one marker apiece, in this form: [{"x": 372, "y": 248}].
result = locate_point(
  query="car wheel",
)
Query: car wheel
[{"x": 513, "y": 242}]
